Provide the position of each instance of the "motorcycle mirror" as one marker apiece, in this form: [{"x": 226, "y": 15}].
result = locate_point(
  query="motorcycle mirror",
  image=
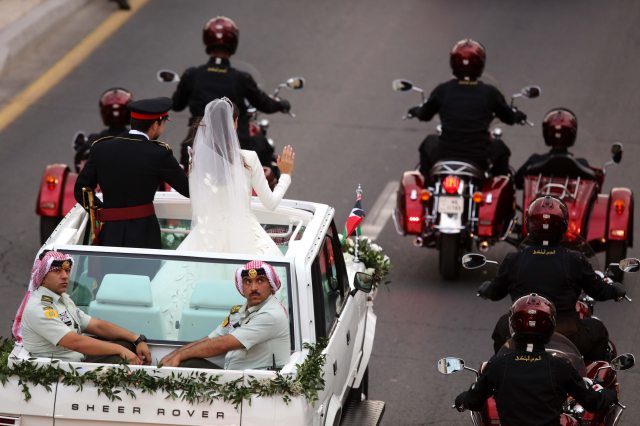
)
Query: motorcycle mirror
[
  {"x": 531, "y": 92},
  {"x": 400, "y": 85},
  {"x": 363, "y": 282},
  {"x": 78, "y": 140},
  {"x": 450, "y": 365},
  {"x": 168, "y": 76},
  {"x": 616, "y": 152},
  {"x": 630, "y": 266},
  {"x": 473, "y": 261},
  {"x": 623, "y": 362},
  {"x": 295, "y": 83}
]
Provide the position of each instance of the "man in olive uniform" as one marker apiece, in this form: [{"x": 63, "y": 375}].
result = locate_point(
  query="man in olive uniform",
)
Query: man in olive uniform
[
  {"x": 128, "y": 168},
  {"x": 217, "y": 79},
  {"x": 50, "y": 325},
  {"x": 255, "y": 335}
]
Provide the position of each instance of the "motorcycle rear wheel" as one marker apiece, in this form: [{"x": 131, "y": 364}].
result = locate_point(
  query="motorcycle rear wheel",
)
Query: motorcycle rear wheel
[
  {"x": 450, "y": 254},
  {"x": 616, "y": 251}
]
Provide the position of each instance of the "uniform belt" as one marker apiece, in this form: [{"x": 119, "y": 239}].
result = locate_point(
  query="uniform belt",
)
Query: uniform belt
[{"x": 125, "y": 213}]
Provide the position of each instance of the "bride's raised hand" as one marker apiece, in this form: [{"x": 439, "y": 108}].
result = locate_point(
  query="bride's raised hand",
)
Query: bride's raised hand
[{"x": 285, "y": 161}]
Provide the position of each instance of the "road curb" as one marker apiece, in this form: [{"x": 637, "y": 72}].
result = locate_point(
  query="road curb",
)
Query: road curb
[{"x": 21, "y": 33}]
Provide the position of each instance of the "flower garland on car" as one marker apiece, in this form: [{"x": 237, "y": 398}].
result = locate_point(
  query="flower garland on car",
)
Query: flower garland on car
[
  {"x": 194, "y": 388},
  {"x": 377, "y": 264}
]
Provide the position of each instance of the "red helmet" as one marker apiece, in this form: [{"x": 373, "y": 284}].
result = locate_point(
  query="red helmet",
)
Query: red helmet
[
  {"x": 113, "y": 109},
  {"x": 560, "y": 127},
  {"x": 532, "y": 317},
  {"x": 467, "y": 59},
  {"x": 221, "y": 31},
  {"x": 547, "y": 217}
]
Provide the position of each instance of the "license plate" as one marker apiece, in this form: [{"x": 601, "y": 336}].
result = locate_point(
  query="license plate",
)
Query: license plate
[{"x": 450, "y": 205}]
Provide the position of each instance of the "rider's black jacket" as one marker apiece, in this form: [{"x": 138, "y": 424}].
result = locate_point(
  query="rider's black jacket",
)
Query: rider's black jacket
[
  {"x": 530, "y": 387},
  {"x": 539, "y": 158},
  {"x": 215, "y": 79},
  {"x": 466, "y": 109},
  {"x": 554, "y": 272}
]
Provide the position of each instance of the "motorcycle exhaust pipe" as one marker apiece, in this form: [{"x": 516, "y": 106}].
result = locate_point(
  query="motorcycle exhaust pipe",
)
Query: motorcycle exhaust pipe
[
  {"x": 484, "y": 246},
  {"x": 418, "y": 242}
]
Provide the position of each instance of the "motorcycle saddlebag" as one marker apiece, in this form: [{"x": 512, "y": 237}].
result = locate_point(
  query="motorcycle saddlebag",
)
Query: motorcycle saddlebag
[
  {"x": 409, "y": 209},
  {"x": 497, "y": 206}
]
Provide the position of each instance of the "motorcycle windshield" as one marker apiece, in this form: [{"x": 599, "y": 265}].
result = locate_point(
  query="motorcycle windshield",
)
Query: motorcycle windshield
[
  {"x": 573, "y": 242},
  {"x": 558, "y": 346}
]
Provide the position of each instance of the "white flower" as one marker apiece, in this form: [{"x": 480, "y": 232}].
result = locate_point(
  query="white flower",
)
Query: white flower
[
  {"x": 265, "y": 383},
  {"x": 350, "y": 242},
  {"x": 370, "y": 271},
  {"x": 385, "y": 258},
  {"x": 376, "y": 247},
  {"x": 296, "y": 389},
  {"x": 348, "y": 257}
]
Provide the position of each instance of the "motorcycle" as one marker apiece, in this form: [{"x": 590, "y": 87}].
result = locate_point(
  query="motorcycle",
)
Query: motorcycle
[
  {"x": 462, "y": 205},
  {"x": 605, "y": 221},
  {"x": 585, "y": 308},
  {"x": 597, "y": 375},
  {"x": 257, "y": 127}
]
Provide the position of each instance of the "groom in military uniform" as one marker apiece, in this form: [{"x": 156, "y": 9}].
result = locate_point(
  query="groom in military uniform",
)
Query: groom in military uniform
[{"x": 129, "y": 168}]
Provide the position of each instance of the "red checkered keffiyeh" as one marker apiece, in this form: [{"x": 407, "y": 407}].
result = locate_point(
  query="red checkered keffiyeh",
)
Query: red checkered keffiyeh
[
  {"x": 40, "y": 269},
  {"x": 261, "y": 269}
]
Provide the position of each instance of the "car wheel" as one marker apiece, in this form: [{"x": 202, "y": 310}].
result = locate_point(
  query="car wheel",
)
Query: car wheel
[
  {"x": 47, "y": 226},
  {"x": 450, "y": 256},
  {"x": 361, "y": 393},
  {"x": 616, "y": 251}
]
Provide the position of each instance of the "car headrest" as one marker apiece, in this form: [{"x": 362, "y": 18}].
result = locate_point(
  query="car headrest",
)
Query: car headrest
[
  {"x": 561, "y": 165},
  {"x": 121, "y": 289},
  {"x": 215, "y": 294}
]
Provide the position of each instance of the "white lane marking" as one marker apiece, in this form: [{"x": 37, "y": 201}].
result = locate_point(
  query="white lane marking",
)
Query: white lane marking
[{"x": 377, "y": 217}]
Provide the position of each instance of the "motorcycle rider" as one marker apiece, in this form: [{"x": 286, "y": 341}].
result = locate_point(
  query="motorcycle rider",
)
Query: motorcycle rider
[
  {"x": 559, "y": 129},
  {"x": 114, "y": 114},
  {"x": 466, "y": 107},
  {"x": 217, "y": 79},
  {"x": 529, "y": 385},
  {"x": 556, "y": 273}
]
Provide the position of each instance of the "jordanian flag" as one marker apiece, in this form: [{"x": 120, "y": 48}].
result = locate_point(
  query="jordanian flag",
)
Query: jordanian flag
[{"x": 353, "y": 223}]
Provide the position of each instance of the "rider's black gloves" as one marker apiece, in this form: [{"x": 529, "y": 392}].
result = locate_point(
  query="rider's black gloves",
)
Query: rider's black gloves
[
  {"x": 460, "y": 400},
  {"x": 285, "y": 106},
  {"x": 620, "y": 291},
  {"x": 521, "y": 117},
  {"x": 413, "y": 112},
  {"x": 484, "y": 289},
  {"x": 609, "y": 396}
]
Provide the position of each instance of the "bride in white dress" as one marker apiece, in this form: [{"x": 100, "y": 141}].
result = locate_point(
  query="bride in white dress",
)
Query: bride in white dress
[{"x": 221, "y": 179}]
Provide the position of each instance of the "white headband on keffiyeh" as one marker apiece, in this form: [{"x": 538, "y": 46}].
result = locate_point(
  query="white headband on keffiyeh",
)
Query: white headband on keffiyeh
[{"x": 51, "y": 261}]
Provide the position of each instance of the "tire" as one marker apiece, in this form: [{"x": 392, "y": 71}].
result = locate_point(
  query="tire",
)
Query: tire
[
  {"x": 450, "y": 256},
  {"x": 616, "y": 251},
  {"x": 356, "y": 394},
  {"x": 47, "y": 226}
]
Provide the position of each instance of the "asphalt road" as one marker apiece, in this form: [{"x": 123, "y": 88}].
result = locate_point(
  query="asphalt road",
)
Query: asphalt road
[{"x": 348, "y": 131}]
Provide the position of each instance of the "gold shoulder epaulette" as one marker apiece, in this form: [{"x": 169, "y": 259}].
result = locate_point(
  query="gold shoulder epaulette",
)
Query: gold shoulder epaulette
[
  {"x": 101, "y": 139},
  {"x": 235, "y": 309},
  {"x": 162, "y": 144}
]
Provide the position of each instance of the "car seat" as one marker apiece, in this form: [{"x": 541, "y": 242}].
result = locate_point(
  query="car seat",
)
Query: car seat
[
  {"x": 127, "y": 301},
  {"x": 210, "y": 304}
]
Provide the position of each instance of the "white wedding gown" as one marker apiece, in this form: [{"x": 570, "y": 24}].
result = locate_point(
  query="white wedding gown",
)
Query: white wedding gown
[{"x": 221, "y": 181}]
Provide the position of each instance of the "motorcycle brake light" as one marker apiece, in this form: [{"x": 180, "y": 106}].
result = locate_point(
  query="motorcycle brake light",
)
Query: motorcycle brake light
[
  {"x": 619, "y": 205},
  {"x": 414, "y": 219},
  {"x": 52, "y": 181},
  {"x": 451, "y": 184}
]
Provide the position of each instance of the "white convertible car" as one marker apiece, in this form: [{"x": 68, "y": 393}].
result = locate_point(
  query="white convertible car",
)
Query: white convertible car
[{"x": 324, "y": 298}]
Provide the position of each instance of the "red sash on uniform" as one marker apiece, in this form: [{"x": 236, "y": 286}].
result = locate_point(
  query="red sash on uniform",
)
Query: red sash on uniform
[{"x": 125, "y": 213}]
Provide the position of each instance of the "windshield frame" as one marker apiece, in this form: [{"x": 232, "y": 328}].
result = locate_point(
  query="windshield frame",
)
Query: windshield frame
[{"x": 203, "y": 257}]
